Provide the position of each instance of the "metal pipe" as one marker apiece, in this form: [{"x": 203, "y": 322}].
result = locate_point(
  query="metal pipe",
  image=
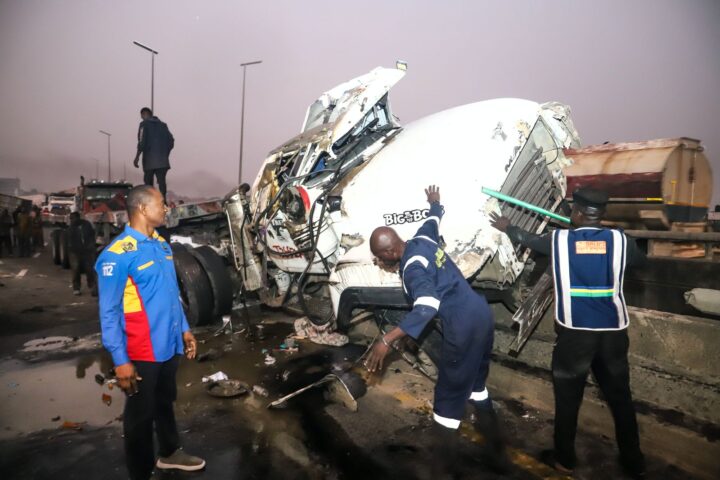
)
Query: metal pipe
[
  {"x": 709, "y": 237},
  {"x": 108, "y": 140},
  {"x": 242, "y": 119},
  {"x": 520, "y": 203},
  {"x": 152, "y": 73}
]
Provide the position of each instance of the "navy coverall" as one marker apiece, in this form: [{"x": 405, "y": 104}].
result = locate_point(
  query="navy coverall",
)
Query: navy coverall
[{"x": 437, "y": 287}]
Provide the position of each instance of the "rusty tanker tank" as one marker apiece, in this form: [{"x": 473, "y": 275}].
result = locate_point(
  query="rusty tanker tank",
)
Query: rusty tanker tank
[{"x": 651, "y": 184}]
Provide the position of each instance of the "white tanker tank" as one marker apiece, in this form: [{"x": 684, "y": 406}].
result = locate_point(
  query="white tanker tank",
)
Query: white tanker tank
[{"x": 318, "y": 197}]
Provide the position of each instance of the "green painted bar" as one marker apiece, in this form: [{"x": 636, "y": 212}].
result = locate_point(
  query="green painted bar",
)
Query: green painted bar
[{"x": 520, "y": 203}]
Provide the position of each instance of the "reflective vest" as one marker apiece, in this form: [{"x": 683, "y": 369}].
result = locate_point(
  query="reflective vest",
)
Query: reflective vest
[{"x": 588, "y": 267}]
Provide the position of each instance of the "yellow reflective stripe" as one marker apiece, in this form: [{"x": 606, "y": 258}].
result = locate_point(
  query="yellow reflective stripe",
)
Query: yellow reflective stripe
[
  {"x": 590, "y": 290},
  {"x": 131, "y": 298},
  {"x": 145, "y": 265},
  {"x": 169, "y": 257}
]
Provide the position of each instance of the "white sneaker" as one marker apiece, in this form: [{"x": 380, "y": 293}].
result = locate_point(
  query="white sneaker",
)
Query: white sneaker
[{"x": 180, "y": 460}]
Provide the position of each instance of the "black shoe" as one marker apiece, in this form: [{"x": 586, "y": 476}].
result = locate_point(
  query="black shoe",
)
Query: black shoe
[
  {"x": 548, "y": 458},
  {"x": 444, "y": 451},
  {"x": 494, "y": 453},
  {"x": 635, "y": 467}
]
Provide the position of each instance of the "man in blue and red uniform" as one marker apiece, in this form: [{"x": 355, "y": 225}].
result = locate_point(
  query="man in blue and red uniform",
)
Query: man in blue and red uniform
[
  {"x": 589, "y": 264},
  {"x": 145, "y": 330},
  {"x": 438, "y": 288}
]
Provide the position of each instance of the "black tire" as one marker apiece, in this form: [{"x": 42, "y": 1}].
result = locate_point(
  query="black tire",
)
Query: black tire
[
  {"x": 55, "y": 245},
  {"x": 195, "y": 288},
  {"x": 219, "y": 277},
  {"x": 64, "y": 251}
]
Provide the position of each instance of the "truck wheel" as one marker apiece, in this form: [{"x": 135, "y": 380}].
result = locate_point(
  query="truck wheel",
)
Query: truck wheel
[
  {"x": 195, "y": 288},
  {"x": 55, "y": 244},
  {"x": 64, "y": 252},
  {"x": 219, "y": 277}
]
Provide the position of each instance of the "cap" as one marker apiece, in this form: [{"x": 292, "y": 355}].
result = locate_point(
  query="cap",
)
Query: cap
[{"x": 589, "y": 197}]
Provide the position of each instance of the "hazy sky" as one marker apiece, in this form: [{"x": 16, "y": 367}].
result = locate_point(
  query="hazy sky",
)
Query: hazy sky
[{"x": 630, "y": 70}]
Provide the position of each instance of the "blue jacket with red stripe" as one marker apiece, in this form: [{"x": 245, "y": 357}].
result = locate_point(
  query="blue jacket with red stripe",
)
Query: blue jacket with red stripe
[{"x": 141, "y": 316}]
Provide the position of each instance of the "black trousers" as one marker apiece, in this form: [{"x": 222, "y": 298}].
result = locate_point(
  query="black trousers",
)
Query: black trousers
[
  {"x": 80, "y": 263},
  {"x": 6, "y": 242},
  {"x": 24, "y": 246},
  {"x": 605, "y": 353},
  {"x": 160, "y": 174},
  {"x": 152, "y": 405}
]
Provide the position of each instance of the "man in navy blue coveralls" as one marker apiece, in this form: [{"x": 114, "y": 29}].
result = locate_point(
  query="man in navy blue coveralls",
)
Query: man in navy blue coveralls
[{"x": 438, "y": 288}]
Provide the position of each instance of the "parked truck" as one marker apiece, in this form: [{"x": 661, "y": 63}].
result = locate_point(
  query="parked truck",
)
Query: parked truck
[{"x": 101, "y": 203}]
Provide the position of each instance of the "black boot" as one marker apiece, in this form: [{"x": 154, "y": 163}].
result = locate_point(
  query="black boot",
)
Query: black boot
[
  {"x": 444, "y": 450},
  {"x": 494, "y": 453}
]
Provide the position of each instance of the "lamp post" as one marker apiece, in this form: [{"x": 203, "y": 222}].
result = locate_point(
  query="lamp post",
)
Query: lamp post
[
  {"x": 108, "y": 135},
  {"x": 242, "y": 118},
  {"x": 152, "y": 72}
]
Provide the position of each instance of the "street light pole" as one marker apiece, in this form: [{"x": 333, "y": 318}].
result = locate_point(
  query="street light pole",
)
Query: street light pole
[
  {"x": 242, "y": 118},
  {"x": 152, "y": 73},
  {"x": 108, "y": 139}
]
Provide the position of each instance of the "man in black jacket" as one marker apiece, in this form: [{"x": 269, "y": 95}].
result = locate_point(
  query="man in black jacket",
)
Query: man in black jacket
[
  {"x": 154, "y": 143},
  {"x": 589, "y": 263},
  {"x": 81, "y": 245}
]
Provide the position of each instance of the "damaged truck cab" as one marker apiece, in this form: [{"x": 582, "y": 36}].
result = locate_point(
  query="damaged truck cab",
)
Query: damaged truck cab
[{"x": 304, "y": 229}]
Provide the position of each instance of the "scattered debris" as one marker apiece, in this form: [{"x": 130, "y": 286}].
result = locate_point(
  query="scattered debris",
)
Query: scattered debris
[
  {"x": 22, "y": 273},
  {"x": 99, "y": 379},
  {"x": 36, "y": 255},
  {"x": 226, "y": 326},
  {"x": 320, "y": 334},
  {"x": 55, "y": 419},
  {"x": 77, "y": 426},
  {"x": 260, "y": 332},
  {"x": 344, "y": 388},
  {"x": 215, "y": 377},
  {"x": 211, "y": 354},
  {"x": 257, "y": 389},
  {"x": 107, "y": 399},
  {"x": 188, "y": 385},
  {"x": 227, "y": 389},
  {"x": 270, "y": 360}
]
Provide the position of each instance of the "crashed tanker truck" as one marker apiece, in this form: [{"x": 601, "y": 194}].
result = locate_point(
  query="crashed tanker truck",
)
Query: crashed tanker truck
[{"x": 301, "y": 236}]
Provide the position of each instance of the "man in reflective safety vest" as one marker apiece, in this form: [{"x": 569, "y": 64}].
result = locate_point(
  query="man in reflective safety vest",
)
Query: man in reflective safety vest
[
  {"x": 589, "y": 264},
  {"x": 438, "y": 288}
]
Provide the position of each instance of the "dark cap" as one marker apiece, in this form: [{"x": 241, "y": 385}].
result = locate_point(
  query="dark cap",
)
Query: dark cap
[{"x": 589, "y": 197}]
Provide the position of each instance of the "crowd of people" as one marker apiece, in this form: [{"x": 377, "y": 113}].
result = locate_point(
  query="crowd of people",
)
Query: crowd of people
[{"x": 21, "y": 233}]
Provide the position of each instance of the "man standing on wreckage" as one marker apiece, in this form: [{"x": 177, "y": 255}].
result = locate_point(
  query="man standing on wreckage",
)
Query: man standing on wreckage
[{"x": 438, "y": 288}]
